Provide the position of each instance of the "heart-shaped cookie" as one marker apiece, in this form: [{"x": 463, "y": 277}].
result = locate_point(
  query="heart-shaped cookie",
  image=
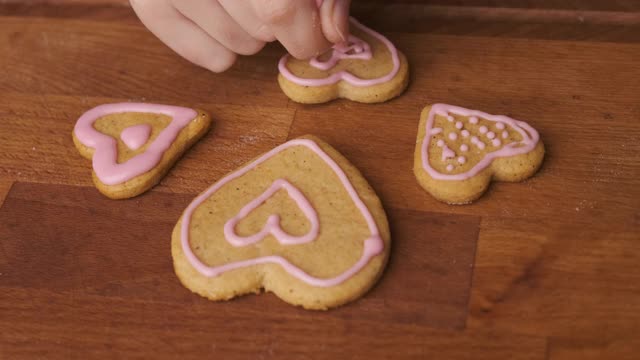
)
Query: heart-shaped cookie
[
  {"x": 459, "y": 151},
  {"x": 299, "y": 221},
  {"x": 133, "y": 145},
  {"x": 368, "y": 69}
]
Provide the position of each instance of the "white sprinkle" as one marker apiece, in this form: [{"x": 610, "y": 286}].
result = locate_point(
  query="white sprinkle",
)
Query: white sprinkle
[
  {"x": 496, "y": 142},
  {"x": 483, "y": 129},
  {"x": 449, "y": 168},
  {"x": 500, "y": 126},
  {"x": 458, "y": 124},
  {"x": 464, "y": 147},
  {"x": 450, "y": 118},
  {"x": 440, "y": 143},
  {"x": 473, "y": 120},
  {"x": 453, "y": 136},
  {"x": 465, "y": 133},
  {"x": 505, "y": 134},
  {"x": 462, "y": 159},
  {"x": 491, "y": 135},
  {"x": 480, "y": 145},
  {"x": 436, "y": 131},
  {"x": 474, "y": 139}
]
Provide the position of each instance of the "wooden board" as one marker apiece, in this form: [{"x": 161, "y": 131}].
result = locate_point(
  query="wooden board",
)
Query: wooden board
[{"x": 545, "y": 269}]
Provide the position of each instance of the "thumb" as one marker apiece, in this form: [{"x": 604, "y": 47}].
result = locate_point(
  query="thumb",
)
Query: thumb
[{"x": 334, "y": 17}]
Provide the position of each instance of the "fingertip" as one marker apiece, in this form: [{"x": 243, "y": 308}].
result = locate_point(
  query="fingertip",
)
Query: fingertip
[
  {"x": 334, "y": 16},
  {"x": 221, "y": 62}
]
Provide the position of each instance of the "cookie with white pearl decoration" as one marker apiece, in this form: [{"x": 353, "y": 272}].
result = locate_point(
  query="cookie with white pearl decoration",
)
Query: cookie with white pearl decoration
[{"x": 460, "y": 151}]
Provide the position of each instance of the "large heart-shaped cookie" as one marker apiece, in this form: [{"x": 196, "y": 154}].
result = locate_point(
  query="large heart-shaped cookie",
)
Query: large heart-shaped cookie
[
  {"x": 133, "y": 145},
  {"x": 459, "y": 151},
  {"x": 367, "y": 69},
  {"x": 299, "y": 221}
]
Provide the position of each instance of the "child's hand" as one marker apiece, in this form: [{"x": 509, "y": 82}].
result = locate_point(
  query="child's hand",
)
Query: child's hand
[{"x": 211, "y": 33}]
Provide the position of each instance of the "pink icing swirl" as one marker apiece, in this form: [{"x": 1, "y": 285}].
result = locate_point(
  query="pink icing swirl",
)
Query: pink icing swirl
[
  {"x": 273, "y": 222},
  {"x": 372, "y": 245},
  {"x": 530, "y": 138},
  {"x": 339, "y": 53},
  {"x": 105, "y": 155}
]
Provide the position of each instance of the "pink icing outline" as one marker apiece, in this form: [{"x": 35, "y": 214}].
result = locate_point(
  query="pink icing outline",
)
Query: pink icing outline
[
  {"x": 135, "y": 136},
  {"x": 345, "y": 75},
  {"x": 105, "y": 154},
  {"x": 273, "y": 222},
  {"x": 372, "y": 245},
  {"x": 530, "y": 138}
]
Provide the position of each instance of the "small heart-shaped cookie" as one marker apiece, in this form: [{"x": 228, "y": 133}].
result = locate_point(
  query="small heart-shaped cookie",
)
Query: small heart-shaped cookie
[
  {"x": 459, "y": 151},
  {"x": 133, "y": 145},
  {"x": 368, "y": 69},
  {"x": 299, "y": 221}
]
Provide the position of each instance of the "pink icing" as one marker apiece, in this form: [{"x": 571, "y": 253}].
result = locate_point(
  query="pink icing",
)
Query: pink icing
[
  {"x": 273, "y": 222},
  {"x": 529, "y": 140},
  {"x": 136, "y": 136},
  {"x": 105, "y": 155},
  {"x": 372, "y": 245},
  {"x": 345, "y": 75},
  {"x": 447, "y": 153}
]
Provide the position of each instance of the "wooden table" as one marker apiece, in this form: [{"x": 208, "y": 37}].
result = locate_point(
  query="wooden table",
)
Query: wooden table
[{"x": 545, "y": 269}]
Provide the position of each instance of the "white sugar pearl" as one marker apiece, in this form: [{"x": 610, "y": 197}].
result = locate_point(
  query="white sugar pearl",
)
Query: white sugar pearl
[
  {"x": 450, "y": 118},
  {"x": 500, "y": 126},
  {"x": 449, "y": 168},
  {"x": 505, "y": 134},
  {"x": 453, "y": 136},
  {"x": 465, "y": 133},
  {"x": 462, "y": 159},
  {"x": 491, "y": 135},
  {"x": 464, "y": 147},
  {"x": 496, "y": 142},
  {"x": 440, "y": 143},
  {"x": 473, "y": 120},
  {"x": 458, "y": 124},
  {"x": 483, "y": 129}
]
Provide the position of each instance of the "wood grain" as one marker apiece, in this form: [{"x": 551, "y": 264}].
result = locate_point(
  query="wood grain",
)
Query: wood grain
[
  {"x": 61, "y": 240},
  {"x": 545, "y": 269}
]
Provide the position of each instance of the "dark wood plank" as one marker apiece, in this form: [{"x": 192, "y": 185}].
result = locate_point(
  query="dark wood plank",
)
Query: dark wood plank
[{"x": 71, "y": 240}]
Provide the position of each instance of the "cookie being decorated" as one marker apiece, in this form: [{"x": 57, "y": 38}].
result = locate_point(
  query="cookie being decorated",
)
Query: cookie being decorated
[
  {"x": 299, "y": 221},
  {"x": 459, "y": 151},
  {"x": 133, "y": 145},
  {"x": 368, "y": 68}
]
